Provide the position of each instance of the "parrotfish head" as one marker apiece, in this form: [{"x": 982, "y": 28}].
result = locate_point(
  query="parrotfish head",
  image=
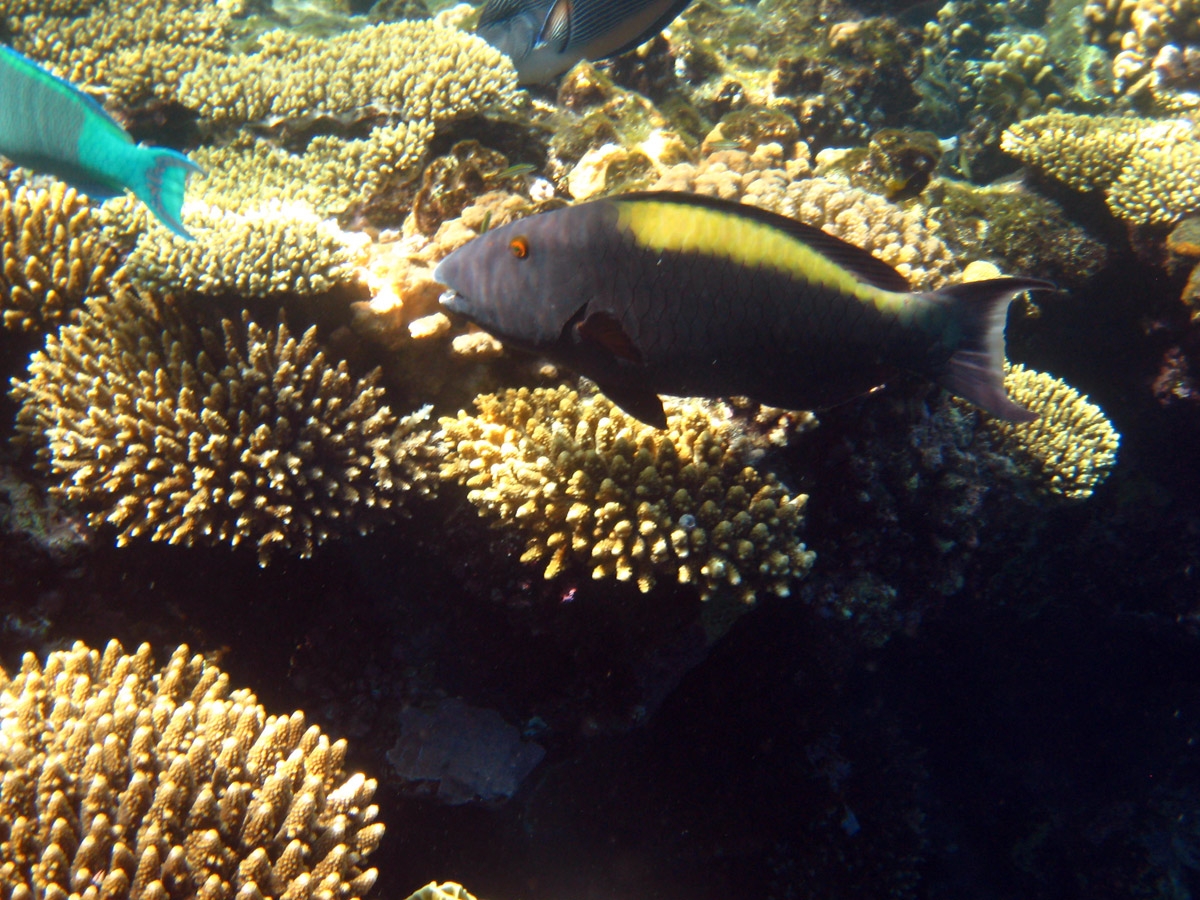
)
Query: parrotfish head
[{"x": 526, "y": 281}]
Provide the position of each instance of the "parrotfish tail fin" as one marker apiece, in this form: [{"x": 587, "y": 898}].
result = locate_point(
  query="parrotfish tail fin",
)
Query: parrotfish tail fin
[
  {"x": 975, "y": 370},
  {"x": 160, "y": 184}
]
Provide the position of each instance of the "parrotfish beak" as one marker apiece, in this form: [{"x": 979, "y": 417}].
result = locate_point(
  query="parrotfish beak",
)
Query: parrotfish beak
[{"x": 453, "y": 301}]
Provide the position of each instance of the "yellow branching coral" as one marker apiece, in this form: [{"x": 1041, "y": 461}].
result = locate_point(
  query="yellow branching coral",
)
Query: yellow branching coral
[
  {"x": 1149, "y": 168},
  {"x": 329, "y": 176},
  {"x": 278, "y": 247},
  {"x": 590, "y": 486},
  {"x": 194, "y": 436},
  {"x": 419, "y": 71},
  {"x": 134, "y": 48},
  {"x": 123, "y": 782},
  {"x": 1070, "y": 448},
  {"x": 53, "y": 255}
]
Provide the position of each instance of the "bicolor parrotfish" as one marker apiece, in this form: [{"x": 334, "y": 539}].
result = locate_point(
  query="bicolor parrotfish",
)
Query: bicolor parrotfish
[
  {"x": 670, "y": 293},
  {"x": 544, "y": 38},
  {"x": 49, "y": 125}
]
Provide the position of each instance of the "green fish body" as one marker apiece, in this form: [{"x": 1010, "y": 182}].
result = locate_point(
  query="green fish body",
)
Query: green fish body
[
  {"x": 49, "y": 125},
  {"x": 688, "y": 295}
]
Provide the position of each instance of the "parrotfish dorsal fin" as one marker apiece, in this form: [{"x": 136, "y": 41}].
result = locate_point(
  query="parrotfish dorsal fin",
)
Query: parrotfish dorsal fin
[
  {"x": 556, "y": 29},
  {"x": 853, "y": 259},
  {"x": 605, "y": 330}
]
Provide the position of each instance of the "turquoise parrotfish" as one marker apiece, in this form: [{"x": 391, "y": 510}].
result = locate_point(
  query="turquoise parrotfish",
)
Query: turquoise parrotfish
[
  {"x": 544, "y": 38},
  {"x": 680, "y": 294},
  {"x": 49, "y": 125}
]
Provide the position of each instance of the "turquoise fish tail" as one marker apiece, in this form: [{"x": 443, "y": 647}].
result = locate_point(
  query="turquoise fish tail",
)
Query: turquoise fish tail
[
  {"x": 159, "y": 181},
  {"x": 975, "y": 370}
]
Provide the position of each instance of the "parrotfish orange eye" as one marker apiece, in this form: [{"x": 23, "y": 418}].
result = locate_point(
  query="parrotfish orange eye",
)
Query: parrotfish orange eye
[{"x": 519, "y": 246}]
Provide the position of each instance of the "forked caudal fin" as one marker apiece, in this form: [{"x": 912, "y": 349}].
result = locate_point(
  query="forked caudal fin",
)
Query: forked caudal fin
[
  {"x": 160, "y": 182},
  {"x": 975, "y": 370}
]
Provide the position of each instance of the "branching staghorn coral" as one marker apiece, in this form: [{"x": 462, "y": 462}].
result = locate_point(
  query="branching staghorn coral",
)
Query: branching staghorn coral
[
  {"x": 1069, "y": 449},
  {"x": 53, "y": 255},
  {"x": 591, "y": 487},
  {"x": 123, "y": 782},
  {"x": 1148, "y": 168},
  {"x": 198, "y": 436}
]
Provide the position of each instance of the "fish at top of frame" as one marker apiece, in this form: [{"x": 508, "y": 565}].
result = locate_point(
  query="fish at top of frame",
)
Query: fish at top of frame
[
  {"x": 672, "y": 293},
  {"x": 49, "y": 125},
  {"x": 544, "y": 38}
]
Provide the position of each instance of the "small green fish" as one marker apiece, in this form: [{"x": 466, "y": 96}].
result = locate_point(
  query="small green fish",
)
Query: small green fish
[
  {"x": 49, "y": 125},
  {"x": 517, "y": 169},
  {"x": 688, "y": 295}
]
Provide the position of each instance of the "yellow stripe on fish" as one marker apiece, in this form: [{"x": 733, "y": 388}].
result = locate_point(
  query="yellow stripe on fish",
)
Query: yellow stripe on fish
[{"x": 659, "y": 227}]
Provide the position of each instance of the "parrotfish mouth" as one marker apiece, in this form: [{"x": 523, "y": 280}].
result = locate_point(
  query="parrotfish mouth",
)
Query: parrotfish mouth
[{"x": 453, "y": 301}]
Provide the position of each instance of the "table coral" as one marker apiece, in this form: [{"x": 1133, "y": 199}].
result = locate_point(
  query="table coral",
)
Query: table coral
[
  {"x": 201, "y": 436},
  {"x": 123, "y": 781},
  {"x": 1070, "y": 448},
  {"x": 589, "y": 486},
  {"x": 274, "y": 247},
  {"x": 331, "y": 175},
  {"x": 418, "y": 71},
  {"x": 53, "y": 255},
  {"x": 136, "y": 49},
  {"x": 1149, "y": 168}
]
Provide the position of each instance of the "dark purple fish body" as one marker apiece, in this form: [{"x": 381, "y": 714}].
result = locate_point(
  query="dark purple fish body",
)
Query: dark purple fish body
[{"x": 686, "y": 295}]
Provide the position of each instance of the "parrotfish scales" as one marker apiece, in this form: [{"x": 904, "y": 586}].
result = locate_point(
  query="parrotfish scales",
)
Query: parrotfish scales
[
  {"x": 687, "y": 295},
  {"x": 49, "y": 125}
]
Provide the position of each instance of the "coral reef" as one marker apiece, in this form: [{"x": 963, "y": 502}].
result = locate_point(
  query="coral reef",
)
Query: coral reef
[
  {"x": 1148, "y": 168},
  {"x": 1069, "y": 449},
  {"x": 1158, "y": 47},
  {"x": 53, "y": 255},
  {"x": 122, "y": 781},
  {"x": 201, "y": 436},
  {"x": 592, "y": 487}
]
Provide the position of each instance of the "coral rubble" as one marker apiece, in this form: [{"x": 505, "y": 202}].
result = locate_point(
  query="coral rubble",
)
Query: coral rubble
[
  {"x": 196, "y": 435},
  {"x": 590, "y": 486},
  {"x": 124, "y": 781}
]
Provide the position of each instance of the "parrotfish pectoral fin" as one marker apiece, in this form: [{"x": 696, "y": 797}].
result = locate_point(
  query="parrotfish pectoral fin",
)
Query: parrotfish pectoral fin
[
  {"x": 604, "y": 330},
  {"x": 160, "y": 184},
  {"x": 642, "y": 404},
  {"x": 975, "y": 371}
]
